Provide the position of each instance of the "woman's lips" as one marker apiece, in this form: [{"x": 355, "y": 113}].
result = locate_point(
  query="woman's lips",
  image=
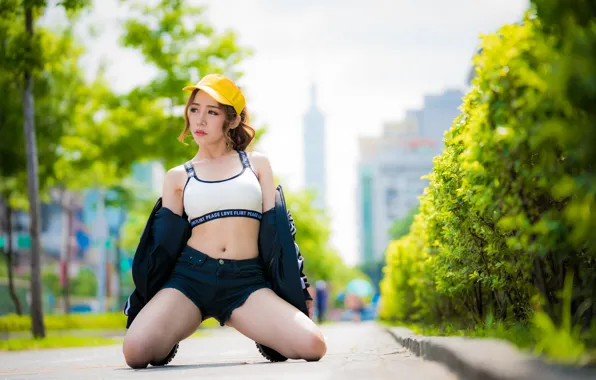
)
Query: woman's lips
[{"x": 200, "y": 133}]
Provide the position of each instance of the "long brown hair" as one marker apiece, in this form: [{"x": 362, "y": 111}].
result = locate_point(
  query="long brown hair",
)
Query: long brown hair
[{"x": 238, "y": 138}]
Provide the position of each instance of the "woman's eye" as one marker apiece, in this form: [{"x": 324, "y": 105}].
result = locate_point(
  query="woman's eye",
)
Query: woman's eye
[
  {"x": 213, "y": 113},
  {"x": 193, "y": 110}
]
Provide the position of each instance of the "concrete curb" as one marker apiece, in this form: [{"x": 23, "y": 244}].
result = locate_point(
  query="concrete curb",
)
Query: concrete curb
[{"x": 485, "y": 359}]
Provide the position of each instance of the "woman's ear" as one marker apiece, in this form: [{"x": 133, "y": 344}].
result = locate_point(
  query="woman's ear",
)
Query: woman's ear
[{"x": 236, "y": 122}]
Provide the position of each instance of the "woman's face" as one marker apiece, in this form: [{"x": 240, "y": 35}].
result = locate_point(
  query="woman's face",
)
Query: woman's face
[{"x": 206, "y": 119}]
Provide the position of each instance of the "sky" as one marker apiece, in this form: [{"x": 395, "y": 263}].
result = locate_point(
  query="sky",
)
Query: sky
[{"x": 370, "y": 60}]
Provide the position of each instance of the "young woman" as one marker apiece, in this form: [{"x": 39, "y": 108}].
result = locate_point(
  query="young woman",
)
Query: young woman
[{"x": 224, "y": 191}]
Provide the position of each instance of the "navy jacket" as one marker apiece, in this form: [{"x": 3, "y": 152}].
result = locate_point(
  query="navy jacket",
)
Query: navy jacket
[{"x": 166, "y": 234}]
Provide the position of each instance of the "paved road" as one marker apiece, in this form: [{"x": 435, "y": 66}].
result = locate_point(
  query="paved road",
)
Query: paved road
[{"x": 355, "y": 352}]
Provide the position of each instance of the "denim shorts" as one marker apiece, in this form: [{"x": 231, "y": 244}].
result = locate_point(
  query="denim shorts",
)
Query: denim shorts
[{"x": 216, "y": 286}]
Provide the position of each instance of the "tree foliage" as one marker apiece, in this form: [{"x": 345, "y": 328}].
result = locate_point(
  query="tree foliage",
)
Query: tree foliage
[
  {"x": 57, "y": 92},
  {"x": 322, "y": 261},
  {"x": 174, "y": 39},
  {"x": 24, "y": 56},
  {"x": 509, "y": 211},
  {"x": 401, "y": 227}
]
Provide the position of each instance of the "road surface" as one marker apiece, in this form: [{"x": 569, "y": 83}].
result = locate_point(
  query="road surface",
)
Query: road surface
[{"x": 356, "y": 351}]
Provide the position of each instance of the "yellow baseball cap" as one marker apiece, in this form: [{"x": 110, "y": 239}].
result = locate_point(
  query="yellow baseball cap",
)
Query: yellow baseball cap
[{"x": 221, "y": 89}]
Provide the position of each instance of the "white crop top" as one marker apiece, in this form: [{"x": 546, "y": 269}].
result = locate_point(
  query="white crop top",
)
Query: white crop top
[{"x": 238, "y": 196}]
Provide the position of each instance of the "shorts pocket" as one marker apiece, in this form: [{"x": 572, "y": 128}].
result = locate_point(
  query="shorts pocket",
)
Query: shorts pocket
[{"x": 191, "y": 260}]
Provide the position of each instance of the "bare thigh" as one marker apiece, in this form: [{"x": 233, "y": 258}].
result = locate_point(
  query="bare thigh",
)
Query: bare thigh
[
  {"x": 168, "y": 318},
  {"x": 267, "y": 319}
]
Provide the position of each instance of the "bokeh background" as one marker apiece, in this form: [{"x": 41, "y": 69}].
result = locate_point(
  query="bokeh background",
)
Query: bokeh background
[{"x": 438, "y": 156}]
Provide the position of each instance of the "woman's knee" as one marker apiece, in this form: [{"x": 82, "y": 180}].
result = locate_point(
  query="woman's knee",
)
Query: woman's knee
[
  {"x": 137, "y": 351},
  {"x": 140, "y": 349},
  {"x": 313, "y": 347},
  {"x": 167, "y": 319}
]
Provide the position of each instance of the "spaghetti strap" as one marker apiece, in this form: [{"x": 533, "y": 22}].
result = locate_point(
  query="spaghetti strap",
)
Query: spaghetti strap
[
  {"x": 244, "y": 159},
  {"x": 190, "y": 171}
]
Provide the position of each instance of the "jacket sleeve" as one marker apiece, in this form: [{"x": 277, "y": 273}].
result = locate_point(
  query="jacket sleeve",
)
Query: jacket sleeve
[
  {"x": 303, "y": 279},
  {"x": 164, "y": 235},
  {"x": 170, "y": 233}
]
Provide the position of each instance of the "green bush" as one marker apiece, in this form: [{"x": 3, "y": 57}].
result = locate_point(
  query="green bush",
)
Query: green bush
[
  {"x": 55, "y": 342},
  {"x": 51, "y": 282},
  {"x": 322, "y": 261},
  {"x": 85, "y": 284},
  {"x": 401, "y": 227},
  {"x": 510, "y": 209},
  {"x": 13, "y": 322},
  {"x": 91, "y": 321},
  {"x": 405, "y": 278}
]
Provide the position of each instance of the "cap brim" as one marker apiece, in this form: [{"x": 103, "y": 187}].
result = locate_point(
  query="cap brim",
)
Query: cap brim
[{"x": 214, "y": 94}]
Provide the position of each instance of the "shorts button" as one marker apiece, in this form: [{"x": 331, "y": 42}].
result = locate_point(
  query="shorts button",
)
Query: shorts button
[{"x": 221, "y": 261}]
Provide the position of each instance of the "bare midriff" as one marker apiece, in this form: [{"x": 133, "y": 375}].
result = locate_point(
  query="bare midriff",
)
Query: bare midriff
[{"x": 232, "y": 238}]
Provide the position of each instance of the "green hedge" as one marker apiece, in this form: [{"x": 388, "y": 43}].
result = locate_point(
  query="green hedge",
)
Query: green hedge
[
  {"x": 90, "y": 321},
  {"x": 510, "y": 210},
  {"x": 56, "y": 342},
  {"x": 13, "y": 322}
]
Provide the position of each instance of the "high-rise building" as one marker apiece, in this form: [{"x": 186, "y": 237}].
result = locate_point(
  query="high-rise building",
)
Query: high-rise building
[
  {"x": 314, "y": 150},
  {"x": 438, "y": 114},
  {"x": 391, "y": 166}
]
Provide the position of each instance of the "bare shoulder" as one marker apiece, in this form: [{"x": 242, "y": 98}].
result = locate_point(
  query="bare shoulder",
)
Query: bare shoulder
[
  {"x": 262, "y": 166},
  {"x": 260, "y": 161},
  {"x": 173, "y": 186},
  {"x": 175, "y": 177}
]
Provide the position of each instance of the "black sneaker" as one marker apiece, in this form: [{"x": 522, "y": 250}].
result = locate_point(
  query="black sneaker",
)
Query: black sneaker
[
  {"x": 167, "y": 359},
  {"x": 270, "y": 354}
]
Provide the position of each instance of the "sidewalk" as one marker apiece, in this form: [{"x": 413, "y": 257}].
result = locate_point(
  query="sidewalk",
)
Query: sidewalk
[
  {"x": 356, "y": 351},
  {"x": 485, "y": 359}
]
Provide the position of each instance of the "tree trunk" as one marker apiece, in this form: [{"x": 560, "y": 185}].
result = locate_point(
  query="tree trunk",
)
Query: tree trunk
[
  {"x": 118, "y": 272},
  {"x": 69, "y": 255},
  {"x": 37, "y": 324},
  {"x": 9, "y": 266},
  {"x": 67, "y": 202},
  {"x": 479, "y": 301}
]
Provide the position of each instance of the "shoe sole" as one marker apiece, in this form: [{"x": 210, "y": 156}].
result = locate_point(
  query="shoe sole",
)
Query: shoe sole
[
  {"x": 270, "y": 354},
  {"x": 167, "y": 359}
]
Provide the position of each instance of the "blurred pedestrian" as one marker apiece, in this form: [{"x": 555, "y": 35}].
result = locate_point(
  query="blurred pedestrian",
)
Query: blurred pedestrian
[{"x": 321, "y": 299}]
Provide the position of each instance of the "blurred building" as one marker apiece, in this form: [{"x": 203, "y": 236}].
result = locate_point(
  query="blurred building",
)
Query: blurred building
[
  {"x": 84, "y": 244},
  {"x": 438, "y": 113},
  {"x": 147, "y": 176},
  {"x": 391, "y": 166},
  {"x": 51, "y": 233},
  {"x": 315, "y": 165}
]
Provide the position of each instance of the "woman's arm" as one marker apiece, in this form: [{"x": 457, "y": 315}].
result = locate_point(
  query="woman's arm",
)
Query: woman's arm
[
  {"x": 264, "y": 173},
  {"x": 172, "y": 190}
]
